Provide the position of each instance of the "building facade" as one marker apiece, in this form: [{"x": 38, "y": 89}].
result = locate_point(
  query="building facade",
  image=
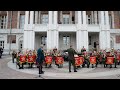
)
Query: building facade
[{"x": 29, "y": 29}]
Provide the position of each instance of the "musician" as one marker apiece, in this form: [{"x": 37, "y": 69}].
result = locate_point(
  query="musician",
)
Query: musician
[
  {"x": 18, "y": 59},
  {"x": 100, "y": 55},
  {"x": 83, "y": 49},
  {"x": 86, "y": 59},
  {"x": 40, "y": 58},
  {"x": 48, "y": 54},
  {"x": 1, "y": 51},
  {"x": 108, "y": 54},
  {"x": 95, "y": 54},
  {"x": 71, "y": 58},
  {"x": 65, "y": 56},
  {"x": 30, "y": 53},
  {"x": 14, "y": 54},
  {"x": 54, "y": 54}
]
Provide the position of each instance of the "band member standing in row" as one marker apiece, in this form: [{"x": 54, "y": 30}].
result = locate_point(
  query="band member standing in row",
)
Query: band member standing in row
[
  {"x": 71, "y": 58},
  {"x": 14, "y": 55},
  {"x": 1, "y": 51}
]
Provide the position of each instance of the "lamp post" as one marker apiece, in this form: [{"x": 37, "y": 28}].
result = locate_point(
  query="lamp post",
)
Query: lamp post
[{"x": 10, "y": 32}]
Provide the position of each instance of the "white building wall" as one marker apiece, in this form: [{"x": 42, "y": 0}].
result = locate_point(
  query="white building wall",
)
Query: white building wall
[
  {"x": 78, "y": 40},
  {"x": 14, "y": 46}
]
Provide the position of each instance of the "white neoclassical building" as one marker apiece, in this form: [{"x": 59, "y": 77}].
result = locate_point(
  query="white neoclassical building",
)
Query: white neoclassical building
[
  {"x": 60, "y": 29},
  {"x": 64, "y": 28}
]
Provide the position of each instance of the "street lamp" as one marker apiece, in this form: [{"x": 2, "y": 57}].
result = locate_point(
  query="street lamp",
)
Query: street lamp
[{"x": 10, "y": 32}]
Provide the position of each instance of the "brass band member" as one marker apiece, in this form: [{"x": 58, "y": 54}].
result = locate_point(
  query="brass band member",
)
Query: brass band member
[{"x": 14, "y": 55}]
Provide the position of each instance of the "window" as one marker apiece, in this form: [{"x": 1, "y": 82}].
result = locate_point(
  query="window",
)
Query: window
[
  {"x": 66, "y": 19},
  {"x": 117, "y": 38},
  {"x": 11, "y": 38},
  {"x": 3, "y": 22},
  {"x": 44, "y": 19},
  {"x": 22, "y": 21},
  {"x": 89, "y": 40},
  {"x": 66, "y": 40},
  {"x": 89, "y": 19},
  {"x": 43, "y": 40},
  {"x": 2, "y": 44}
]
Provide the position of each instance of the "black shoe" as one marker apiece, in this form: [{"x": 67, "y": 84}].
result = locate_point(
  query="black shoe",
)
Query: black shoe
[
  {"x": 41, "y": 73},
  {"x": 69, "y": 71},
  {"x": 20, "y": 67},
  {"x": 75, "y": 71}
]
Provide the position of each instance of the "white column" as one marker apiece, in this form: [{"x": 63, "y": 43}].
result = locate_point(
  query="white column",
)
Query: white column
[
  {"x": 84, "y": 18},
  {"x": 102, "y": 19},
  {"x": 56, "y": 39},
  {"x": 26, "y": 17},
  {"x": 76, "y": 17},
  {"x": 101, "y": 39},
  {"x": 95, "y": 14},
  {"x": 82, "y": 40},
  {"x": 70, "y": 17},
  {"x": 48, "y": 40},
  {"x": 61, "y": 17},
  {"x": 39, "y": 19},
  {"x": 104, "y": 39},
  {"x": 50, "y": 17},
  {"x": 79, "y": 32},
  {"x": 55, "y": 17},
  {"x": 79, "y": 39},
  {"x": 33, "y": 40},
  {"x": 25, "y": 40},
  {"x": 92, "y": 17},
  {"x": 55, "y": 31},
  {"x": 85, "y": 30},
  {"x": 112, "y": 14},
  {"x": 29, "y": 40},
  {"x": 107, "y": 19},
  {"x": 108, "y": 39},
  {"x": 79, "y": 18},
  {"x": 85, "y": 39},
  {"x": 36, "y": 17},
  {"x": 18, "y": 20},
  {"x": 31, "y": 17}
]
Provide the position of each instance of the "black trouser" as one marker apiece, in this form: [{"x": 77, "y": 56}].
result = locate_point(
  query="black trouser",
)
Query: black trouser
[
  {"x": 0, "y": 54},
  {"x": 20, "y": 66},
  {"x": 40, "y": 68},
  {"x": 73, "y": 63},
  {"x": 13, "y": 59},
  {"x": 30, "y": 65}
]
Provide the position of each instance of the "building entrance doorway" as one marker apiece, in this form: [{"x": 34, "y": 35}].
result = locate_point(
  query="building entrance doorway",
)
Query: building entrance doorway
[{"x": 93, "y": 38}]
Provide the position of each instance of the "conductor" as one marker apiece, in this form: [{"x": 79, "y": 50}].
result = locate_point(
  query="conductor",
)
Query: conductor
[{"x": 71, "y": 58}]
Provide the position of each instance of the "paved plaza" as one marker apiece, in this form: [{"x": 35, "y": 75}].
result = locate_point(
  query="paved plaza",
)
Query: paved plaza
[{"x": 9, "y": 70}]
